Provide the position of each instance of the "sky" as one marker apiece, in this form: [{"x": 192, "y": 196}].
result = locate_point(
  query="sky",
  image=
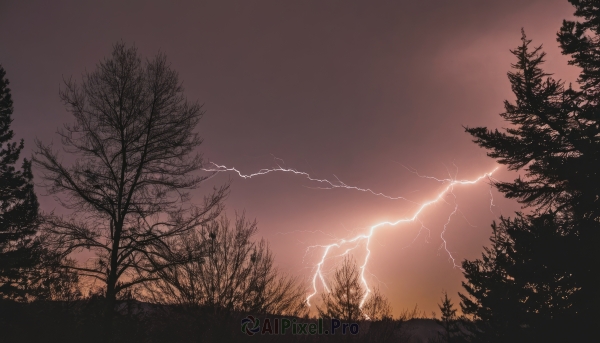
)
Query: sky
[{"x": 359, "y": 91}]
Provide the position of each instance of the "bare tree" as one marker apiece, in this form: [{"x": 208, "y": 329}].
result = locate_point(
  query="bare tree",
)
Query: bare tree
[
  {"x": 343, "y": 302},
  {"x": 134, "y": 143},
  {"x": 237, "y": 273},
  {"x": 382, "y": 327},
  {"x": 377, "y": 307}
]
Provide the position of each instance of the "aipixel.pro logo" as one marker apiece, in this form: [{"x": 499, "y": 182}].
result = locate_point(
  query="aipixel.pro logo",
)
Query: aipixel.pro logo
[
  {"x": 250, "y": 325},
  {"x": 279, "y": 326}
]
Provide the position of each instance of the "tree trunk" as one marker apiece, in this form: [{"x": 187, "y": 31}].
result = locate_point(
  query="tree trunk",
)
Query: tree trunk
[{"x": 111, "y": 285}]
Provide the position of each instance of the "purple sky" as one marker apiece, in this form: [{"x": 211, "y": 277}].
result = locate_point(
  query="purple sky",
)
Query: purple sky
[{"x": 331, "y": 87}]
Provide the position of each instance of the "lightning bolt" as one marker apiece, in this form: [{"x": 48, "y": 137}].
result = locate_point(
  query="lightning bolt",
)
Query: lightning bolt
[
  {"x": 353, "y": 242},
  {"x": 332, "y": 184}
]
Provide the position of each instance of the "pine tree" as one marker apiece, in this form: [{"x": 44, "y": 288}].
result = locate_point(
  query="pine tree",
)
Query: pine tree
[
  {"x": 449, "y": 321},
  {"x": 523, "y": 289},
  {"x": 19, "y": 251},
  {"x": 538, "y": 281}
]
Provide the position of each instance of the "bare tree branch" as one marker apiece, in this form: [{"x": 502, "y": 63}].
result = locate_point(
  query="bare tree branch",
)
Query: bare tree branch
[
  {"x": 135, "y": 147},
  {"x": 229, "y": 271}
]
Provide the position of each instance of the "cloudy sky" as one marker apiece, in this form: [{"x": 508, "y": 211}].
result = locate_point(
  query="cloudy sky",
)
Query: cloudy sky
[{"x": 346, "y": 89}]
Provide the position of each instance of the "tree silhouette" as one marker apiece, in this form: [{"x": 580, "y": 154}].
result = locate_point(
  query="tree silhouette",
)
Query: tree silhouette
[
  {"x": 236, "y": 274},
  {"x": 449, "y": 320},
  {"x": 20, "y": 252},
  {"x": 134, "y": 143},
  {"x": 346, "y": 294},
  {"x": 538, "y": 281},
  {"x": 377, "y": 307}
]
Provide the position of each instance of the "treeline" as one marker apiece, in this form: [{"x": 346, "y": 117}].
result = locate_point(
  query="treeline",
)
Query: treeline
[{"x": 166, "y": 269}]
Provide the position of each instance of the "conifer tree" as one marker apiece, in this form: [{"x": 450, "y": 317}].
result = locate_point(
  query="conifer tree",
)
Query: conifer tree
[
  {"x": 491, "y": 290},
  {"x": 538, "y": 281},
  {"x": 19, "y": 251},
  {"x": 449, "y": 321}
]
